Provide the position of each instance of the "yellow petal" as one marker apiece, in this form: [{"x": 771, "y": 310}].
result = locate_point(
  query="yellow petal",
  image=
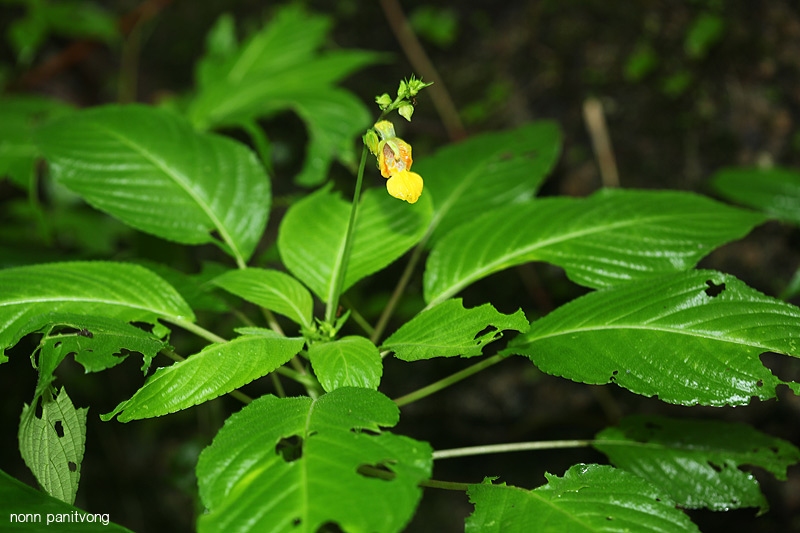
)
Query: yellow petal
[
  {"x": 405, "y": 185},
  {"x": 394, "y": 155}
]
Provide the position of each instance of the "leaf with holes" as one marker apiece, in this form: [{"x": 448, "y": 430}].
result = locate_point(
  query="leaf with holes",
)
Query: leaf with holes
[
  {"x": 216, "y": 370},
  {"x": 150, "y": 169},
  {"x": 311, "y": 236},
  {"x": 120, "y": 291},
  {"x": 448, "y": 330},
  {"x": 698, "y": 462},
  {"x": 689, "y": 338},
  {"x": 52, "y": 446},
  {"x": 96, "y": 342},
  {"x": 347, "y": 362},
  {"x": 270, "y": 289},
  {"x": 606, "y": 239},
  {"x": 488, "y": 171},
  {"x": 775, "y": 191},
  {"x": 588, "y": 499},
  {"x": 295, "y": 464}
]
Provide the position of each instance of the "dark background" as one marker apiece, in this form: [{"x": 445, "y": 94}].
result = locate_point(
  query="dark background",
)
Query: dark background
[{"x": 673, "y": 124}]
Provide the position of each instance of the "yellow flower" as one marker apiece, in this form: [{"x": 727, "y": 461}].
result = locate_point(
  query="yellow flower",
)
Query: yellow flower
[
  {"x": 405, "y": 185},
  {"x": 394, "y": 162},
  {"x": 394, "y": 155}
]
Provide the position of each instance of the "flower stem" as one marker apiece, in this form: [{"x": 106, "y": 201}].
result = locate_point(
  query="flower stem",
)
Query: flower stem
[
  {"x": 510, "y": 447},
  {"x": 399, "y": 289},
  {"x": 344, "y": 258},
  {"x": 449, "y": 380}
]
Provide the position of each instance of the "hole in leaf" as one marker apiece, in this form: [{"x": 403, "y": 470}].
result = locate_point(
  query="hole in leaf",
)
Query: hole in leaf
[
  {"x": 59, "y": 427},
  {"x": 65, "y": 330},
  {"x": 143, "y": 326},
  {"x": 290, "y": 448},
  {"x": 57, "y": 344},
  {"x": 785, "y": 368},
  {"x": 296, "y": 521},
  {"x": 124, "y": 352},
  {"x": 609, "y": 518},
  {"x": 377, "y": 471},
  {"x": 368, "y": 431},
  {"x": 716, "y": 468},
  {"x": 329, "y": 527},
  {"x": 484, "y": 331},
  {"x": 72, "y": 466},
  {"x": 39, "y": 410},
  {"x": 760, "y": 383},
  {"x": 714, "y": 289}
]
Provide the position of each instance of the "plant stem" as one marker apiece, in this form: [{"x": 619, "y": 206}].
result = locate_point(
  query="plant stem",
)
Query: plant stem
[
  {"x": 510, "y": 447},
  {"x": 344, "y": 258},
  {"x": 400, "y": 288},
  {"x": 449, "y": 380},
  {"x": 260, "y": 140},
  {"x": 198, "y": 330},
  {"x": 446, "y": 485}
]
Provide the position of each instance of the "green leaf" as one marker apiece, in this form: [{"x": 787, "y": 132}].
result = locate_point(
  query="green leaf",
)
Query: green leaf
[
  {"x": 30, "y": 510},
  {"x": 97, "y": 343},
  {"x": 196, "y": 289},
  {"x": 690, "y": 338},
  {"x": 348, "y": 362},
  {"x": 114, "y": 290},
  {"x": 608, "y": 238},
  {"x": 311, "y": 236},
  {"x": 447, "y": 330},
  {"x": 775, "y": 191},
  {"x": 589, "y": 498},
  {"x": 150, "y": 169},
  {"x": 488, "y": 171},
  {"x": 216, "y": 370},
  {"x": 706, "y": 29},
  {"x": 697, "y": 461},
  {"x": 293, "y": 464},
  {"x": 19, "y": 115},
  {"x": 278, "y": 69},
  {"x": 52, "y": 446},
  {"x": 271, "y": 290}
]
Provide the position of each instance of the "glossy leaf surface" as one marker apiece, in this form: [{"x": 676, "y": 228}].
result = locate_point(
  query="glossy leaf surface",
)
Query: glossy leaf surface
[
  {"x": 216, "y": 370},
  {"x": 588, "y": 499},
  {"x": 270, "y": 289},
  {"x": 311, "y": 236},
  {"x": 488, "y": 171},
  {"x": 115, "y": 290},
  {"x": 350, "y": 361},
  {"x": 294, "y": 464},
  {"x": 448, "y": 330},
  {"x": 152, "y": 170},
  {"x": 609, "y": 238},
  {"x": 689, "y": 338},
  {"x": 775, "y": 191},
  {"x": 698, "y": 462}
]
